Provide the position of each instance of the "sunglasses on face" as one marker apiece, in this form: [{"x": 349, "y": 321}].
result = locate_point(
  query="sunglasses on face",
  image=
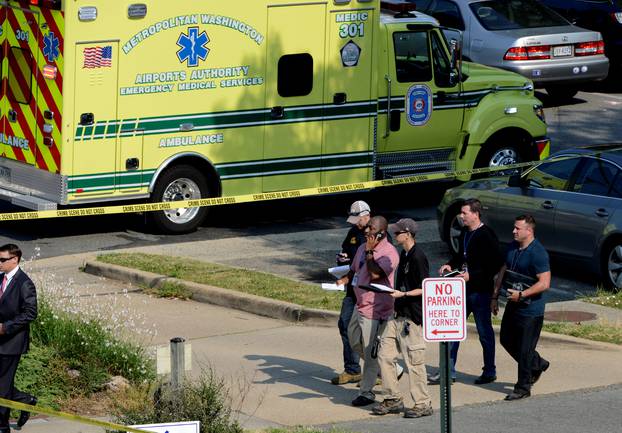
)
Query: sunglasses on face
[
  {"x": 6, "y": 259},
  {"x": 400, "y": 233}
]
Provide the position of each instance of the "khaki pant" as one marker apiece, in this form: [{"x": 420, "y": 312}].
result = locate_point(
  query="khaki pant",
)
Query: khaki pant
[
  {"x": 412, "y": 347},
  {"x": 362, "y": 333}
]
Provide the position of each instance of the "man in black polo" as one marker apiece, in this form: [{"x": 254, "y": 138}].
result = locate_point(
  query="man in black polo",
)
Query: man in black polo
[
  {"x": 524, "y": 312},
  {"x": 480, "y": 260}
]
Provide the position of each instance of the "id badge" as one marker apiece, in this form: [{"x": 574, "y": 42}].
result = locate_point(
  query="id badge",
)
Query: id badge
[{"x": 355, "y": 280}]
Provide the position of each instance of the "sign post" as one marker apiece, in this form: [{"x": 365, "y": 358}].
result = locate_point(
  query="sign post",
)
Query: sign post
[{"x": 444, "y": 321}]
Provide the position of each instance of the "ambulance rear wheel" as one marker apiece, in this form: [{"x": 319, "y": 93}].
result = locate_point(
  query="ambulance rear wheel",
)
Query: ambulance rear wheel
[{"x": 176, "y": 184}]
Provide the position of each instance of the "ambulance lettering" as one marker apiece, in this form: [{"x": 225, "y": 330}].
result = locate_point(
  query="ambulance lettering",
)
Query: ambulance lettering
[
  {"x": 192, "y": 141},
  {"x": 17, "y": 142},
  {"x": 192, "y": 20}
]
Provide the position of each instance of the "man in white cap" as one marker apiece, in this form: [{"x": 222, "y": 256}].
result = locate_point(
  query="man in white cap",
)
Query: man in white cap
[{"x": 359, "y": 217}]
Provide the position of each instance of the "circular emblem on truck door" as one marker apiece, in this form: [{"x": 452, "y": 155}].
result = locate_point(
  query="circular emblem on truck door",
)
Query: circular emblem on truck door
[{"x": 418, "y": 105}]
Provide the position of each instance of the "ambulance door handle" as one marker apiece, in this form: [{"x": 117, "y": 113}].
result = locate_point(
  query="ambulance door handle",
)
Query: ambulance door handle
[
  {"x": 394, "y": 120},
  {"x": 340, "y": 98},
  {"x": 87, "y": 119},
  {"x": 12, "y": 116},
  {"x": 388, "y": 128},
  {"x": 277, "y": 112}
]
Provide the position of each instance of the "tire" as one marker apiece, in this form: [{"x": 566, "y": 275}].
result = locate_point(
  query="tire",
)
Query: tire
[
  {"x": 453, "y": 226},
  {"x": 612, "y": 265},
  {"x": 561, "y": 94},
  {"x": 497, "y": 156},
  {"x": 182, "y": 182}
]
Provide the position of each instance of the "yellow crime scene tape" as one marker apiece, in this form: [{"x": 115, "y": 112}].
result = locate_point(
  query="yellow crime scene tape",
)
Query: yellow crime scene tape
[
  {"x": 249, "y": 198},
  {"x": 68, "y": 416}
]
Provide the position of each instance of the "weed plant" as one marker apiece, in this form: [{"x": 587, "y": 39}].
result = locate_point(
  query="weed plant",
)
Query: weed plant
[{"x": 205, "y": 399}]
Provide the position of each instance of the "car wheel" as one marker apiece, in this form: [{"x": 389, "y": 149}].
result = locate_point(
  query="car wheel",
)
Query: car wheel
[
  {"x": 562, "y": 94},
  {"x": 498, "y": 156},
  {"x": 179, "y": 183},
  {"x": 453, "y": 228},
  {"x": 612, "y": 265}
]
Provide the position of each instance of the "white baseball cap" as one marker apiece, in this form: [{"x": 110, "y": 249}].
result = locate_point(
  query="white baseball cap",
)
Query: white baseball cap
[{"x": 358, "y": 209}]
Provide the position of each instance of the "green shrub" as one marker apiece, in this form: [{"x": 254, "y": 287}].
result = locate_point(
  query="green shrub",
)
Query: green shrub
[
  {"x": 42, "y": 372},
  {"x": 205, "y": 399}
]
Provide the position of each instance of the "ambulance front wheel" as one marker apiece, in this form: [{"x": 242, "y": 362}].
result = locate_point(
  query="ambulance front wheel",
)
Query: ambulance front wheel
[
  {"x": 176, "y": 184},
  {"x": 499, "y": 155}
]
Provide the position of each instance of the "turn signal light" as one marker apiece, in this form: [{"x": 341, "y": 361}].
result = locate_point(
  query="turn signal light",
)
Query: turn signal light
[
  {"x": 50, "y": 4},
  {"x": 540, "y": 52},
  {"x": 589, "y": 48}
]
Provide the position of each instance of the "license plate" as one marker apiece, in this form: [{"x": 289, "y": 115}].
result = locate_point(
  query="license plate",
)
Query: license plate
[
  {"x": 562, "y": 51},
  {"x": 5, "y": 174}
]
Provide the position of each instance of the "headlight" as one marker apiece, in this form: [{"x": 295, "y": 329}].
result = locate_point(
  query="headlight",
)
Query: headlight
[{"x": 539, "y": 111}]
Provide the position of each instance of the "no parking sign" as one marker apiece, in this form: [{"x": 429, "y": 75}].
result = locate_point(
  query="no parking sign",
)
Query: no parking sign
[{"x": 444, "y": 309}]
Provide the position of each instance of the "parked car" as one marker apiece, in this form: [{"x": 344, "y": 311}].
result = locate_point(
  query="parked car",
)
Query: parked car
[
  {"x": 526, "y": 37},
  {"x": 575, "y": 197},
  {"x": 604, "y": 16}
]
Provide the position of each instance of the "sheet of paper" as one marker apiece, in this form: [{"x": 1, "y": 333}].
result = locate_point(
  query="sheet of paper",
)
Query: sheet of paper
[
  {"x": 333, "y": 287},
  {"x": 339, "y": 271},
  {"x": 382, "y": 287}
]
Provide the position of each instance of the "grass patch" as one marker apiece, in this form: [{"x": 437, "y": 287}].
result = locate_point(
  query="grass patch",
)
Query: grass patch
[
  {"x": 591, "y": 331},
  {"x": 606, "y": 298},
  {"x": 242, "y": 280},
  {"x": 170, "y": 290}
]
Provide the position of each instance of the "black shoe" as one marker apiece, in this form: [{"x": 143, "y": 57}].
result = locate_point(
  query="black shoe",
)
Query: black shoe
[
  {"x": 361, "y": 400},
  {"x": 24, "y": 416},
  {"x": 435, "y": 379},
  {"x": 517, "y": 395},
  {"x": 536, "y": 376},
  {"x": 482, "y": 380}
]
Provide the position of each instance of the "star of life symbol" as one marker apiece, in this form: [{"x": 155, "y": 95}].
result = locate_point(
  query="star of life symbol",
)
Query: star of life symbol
[
  {"x": 51, "y": 47},
  {"x": 193, "y": 47}
]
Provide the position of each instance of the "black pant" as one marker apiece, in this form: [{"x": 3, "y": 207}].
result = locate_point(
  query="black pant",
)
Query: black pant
[
  {"x": 8, "y": 367},
  {"x": 519, "y": 336}
]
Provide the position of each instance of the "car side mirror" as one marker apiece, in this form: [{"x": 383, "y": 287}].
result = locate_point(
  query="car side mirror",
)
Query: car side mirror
[{"x": 518, "y": 181}]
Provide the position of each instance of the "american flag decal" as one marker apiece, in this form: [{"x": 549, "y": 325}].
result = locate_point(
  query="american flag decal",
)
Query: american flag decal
[{"x": 98, "y": 57}]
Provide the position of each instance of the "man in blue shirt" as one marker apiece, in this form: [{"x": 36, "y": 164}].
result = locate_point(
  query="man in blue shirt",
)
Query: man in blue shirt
[{"x": 524, "y": 312}]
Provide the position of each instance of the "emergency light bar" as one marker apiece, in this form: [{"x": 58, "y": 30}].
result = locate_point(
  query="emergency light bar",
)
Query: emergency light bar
[{"x": 399, "y": 7}]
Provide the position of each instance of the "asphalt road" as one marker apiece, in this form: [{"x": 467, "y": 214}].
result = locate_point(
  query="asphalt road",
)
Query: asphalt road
[
  {"x": 595, "y": 411},
  {"x": 591, "y": 118}
]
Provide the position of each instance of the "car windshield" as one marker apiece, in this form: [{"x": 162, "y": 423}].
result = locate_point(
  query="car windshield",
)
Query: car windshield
[{"x": 515, "y": 14}]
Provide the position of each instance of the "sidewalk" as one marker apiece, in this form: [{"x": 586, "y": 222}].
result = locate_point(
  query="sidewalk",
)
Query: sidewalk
[{"x": 280, "y": 373}]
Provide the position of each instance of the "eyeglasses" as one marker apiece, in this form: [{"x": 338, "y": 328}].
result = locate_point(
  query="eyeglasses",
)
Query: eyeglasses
[
  {"x": 401, "y": 232},
  {"x": 6, "y": 259}
]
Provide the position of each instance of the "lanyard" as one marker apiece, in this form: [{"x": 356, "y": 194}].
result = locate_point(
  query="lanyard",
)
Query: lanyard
[{"x": 468, "y": 237}]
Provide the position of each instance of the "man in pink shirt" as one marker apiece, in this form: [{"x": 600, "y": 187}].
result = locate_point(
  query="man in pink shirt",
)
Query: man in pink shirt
[{"x": 375, "y": 262}]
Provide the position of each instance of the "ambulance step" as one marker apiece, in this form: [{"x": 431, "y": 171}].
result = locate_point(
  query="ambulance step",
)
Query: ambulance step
[
  {"x": 401, "y": 164},
  {"x": 27, "y": 201}
]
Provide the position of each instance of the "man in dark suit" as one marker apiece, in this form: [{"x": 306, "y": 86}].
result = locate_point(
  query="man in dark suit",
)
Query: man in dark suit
[{"x": 18, "y": 307}]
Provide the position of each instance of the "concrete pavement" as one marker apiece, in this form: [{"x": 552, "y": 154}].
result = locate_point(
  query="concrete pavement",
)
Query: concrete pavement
[{"x": 279, "y": 372}]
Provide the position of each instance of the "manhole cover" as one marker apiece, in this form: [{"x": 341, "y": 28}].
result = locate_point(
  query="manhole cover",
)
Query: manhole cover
[{"x": 569, "y": 316}]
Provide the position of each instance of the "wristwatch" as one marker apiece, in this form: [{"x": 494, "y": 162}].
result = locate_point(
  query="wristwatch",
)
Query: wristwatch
[{"x": 520, "y": 295}]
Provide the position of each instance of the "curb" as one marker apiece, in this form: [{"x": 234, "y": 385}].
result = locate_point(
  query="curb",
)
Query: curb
[{"x": 218, "y": 296}]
